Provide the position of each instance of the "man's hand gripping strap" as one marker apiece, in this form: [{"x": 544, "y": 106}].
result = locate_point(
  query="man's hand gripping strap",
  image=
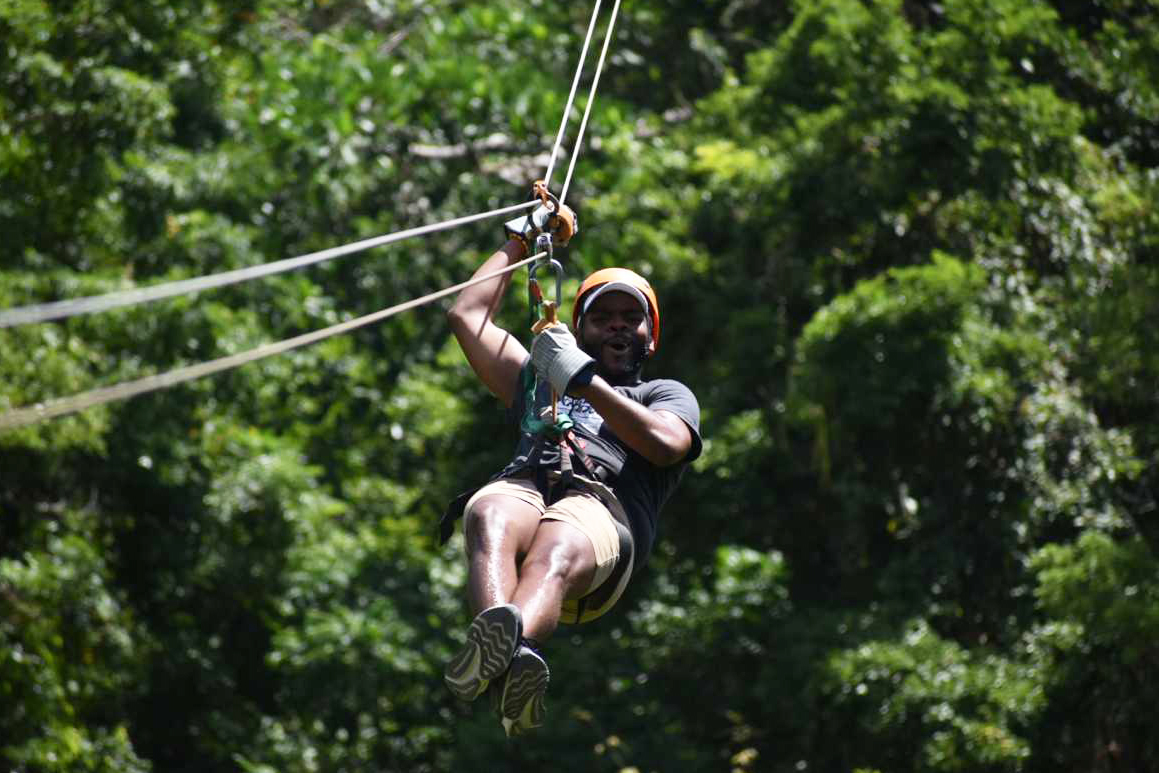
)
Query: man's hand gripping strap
[{"x": 557, "y": 357}]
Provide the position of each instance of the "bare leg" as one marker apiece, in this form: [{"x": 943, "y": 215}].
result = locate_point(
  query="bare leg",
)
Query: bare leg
[
  {"x": 499, "y": 531},
  {"x": 559, "y": 564}
]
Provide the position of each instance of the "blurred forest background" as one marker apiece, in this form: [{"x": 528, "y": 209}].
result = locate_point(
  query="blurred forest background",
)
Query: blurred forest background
[{"x": 906, "y": 256}]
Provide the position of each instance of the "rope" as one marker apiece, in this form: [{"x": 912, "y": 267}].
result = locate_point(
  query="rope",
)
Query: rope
[
  {"x": 41, "y": 312},
  {"x": 24, "y": 416},
  {"x": 571, "y": 96},
  {"x": 591, "y": 100}
]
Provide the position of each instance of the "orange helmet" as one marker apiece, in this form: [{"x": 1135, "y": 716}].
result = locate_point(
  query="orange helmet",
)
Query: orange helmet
[{"x": 624, "y": 280}]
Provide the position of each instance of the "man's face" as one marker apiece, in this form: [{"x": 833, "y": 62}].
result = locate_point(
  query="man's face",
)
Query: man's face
[{"x": 614, "y": 331}]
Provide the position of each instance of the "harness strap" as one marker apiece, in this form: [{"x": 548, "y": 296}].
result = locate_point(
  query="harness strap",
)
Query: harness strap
[
  {"x": 566, "y": 476},
  {"x": 555, "y": 484},
  {"x": 453, "y": 513}
]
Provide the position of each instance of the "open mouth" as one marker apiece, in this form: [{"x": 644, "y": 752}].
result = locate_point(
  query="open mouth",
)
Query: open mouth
[{"x": 619, "y": 346}]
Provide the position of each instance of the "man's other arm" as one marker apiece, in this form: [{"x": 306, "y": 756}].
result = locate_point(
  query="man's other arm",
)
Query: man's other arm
[{"x": 659, "y": 436}]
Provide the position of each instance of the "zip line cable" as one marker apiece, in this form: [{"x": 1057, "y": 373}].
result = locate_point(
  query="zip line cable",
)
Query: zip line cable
[
  {"x": 591, "y": 100},
  {"x": 42, "y": 312},
  {"x": 571, "y": 96},
  {"x": 21, "y": 417}
]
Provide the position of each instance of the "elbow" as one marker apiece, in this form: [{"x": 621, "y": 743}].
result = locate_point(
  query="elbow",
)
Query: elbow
[
  {"x": 670, "y": 456},
  {"x": 458, "y": 318},
  {"x": 672, "y": 446},
  {"x": 455, "y": 312},
  {"x": 668, "y": 451}
]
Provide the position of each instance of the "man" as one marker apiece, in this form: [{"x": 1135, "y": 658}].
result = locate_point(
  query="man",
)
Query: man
[{"x": 556, "y": 537}]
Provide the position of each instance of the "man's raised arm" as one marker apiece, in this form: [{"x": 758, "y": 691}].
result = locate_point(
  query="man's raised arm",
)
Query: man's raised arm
[{"x": 494, "y": 354}]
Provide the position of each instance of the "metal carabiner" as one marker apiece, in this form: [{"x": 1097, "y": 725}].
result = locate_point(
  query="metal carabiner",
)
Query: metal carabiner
[{"x": 542, "y": 310}]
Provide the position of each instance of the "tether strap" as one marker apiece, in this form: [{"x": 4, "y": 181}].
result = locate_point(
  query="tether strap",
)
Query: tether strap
[
  {"x": 590, "y": 467},
  {"x": 562, "y": 431},
  {"x": 566, "y": 475}
]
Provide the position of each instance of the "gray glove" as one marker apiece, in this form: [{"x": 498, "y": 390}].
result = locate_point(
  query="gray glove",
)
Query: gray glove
[{"x": 556, "y": 356}]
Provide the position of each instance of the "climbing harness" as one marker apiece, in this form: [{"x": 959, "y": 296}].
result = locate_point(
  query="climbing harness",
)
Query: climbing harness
[{"x": 549, "y": 424}]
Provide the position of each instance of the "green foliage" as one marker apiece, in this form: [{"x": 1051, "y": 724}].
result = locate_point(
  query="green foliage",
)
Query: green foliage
[
  {"x": 905, "y": 255},
  {"x": 71, "y": 653},
  {"x": 1098, "y": 596},
  {"x": 1117, "y": 605},
  {"x": 927, "y": 704},
  {"x": 678, "y": 638},
  {"x": 872, "y": 358}
]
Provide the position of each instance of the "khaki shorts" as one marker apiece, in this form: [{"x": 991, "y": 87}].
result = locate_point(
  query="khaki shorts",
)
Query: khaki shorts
[{"x": 592, "y": 516}]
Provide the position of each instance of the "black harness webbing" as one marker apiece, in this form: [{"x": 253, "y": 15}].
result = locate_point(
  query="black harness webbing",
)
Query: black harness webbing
[{"x": 552, "y": 485}]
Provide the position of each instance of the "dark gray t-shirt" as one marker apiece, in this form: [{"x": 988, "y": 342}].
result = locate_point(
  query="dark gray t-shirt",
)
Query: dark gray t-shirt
[{"x": 641, "y": 486}]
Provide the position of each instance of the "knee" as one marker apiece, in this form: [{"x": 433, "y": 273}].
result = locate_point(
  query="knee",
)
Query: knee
[
  {"x": 558, "y": 561},
  {"x": 487, "y": 526}
]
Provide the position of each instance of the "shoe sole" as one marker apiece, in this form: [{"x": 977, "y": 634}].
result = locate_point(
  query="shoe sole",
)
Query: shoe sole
[
  {"x": 520, "y": 704},
  {"x": 491, "y": 643}
]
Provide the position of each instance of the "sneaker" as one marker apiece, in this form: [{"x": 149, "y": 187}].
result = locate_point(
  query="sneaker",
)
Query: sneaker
[
  {"x": 491, "y": 643},
  {"x": 518, "y": 697}
]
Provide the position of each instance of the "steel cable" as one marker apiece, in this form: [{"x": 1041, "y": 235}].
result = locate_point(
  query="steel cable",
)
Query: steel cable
[
  {"x": 571, "y": 96},
  {"x": 62, "y": 309},
  {"x": 591, "y": 100},
  {"x": 20, "y": 417},
  {"x": 42, "y": 312}
]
